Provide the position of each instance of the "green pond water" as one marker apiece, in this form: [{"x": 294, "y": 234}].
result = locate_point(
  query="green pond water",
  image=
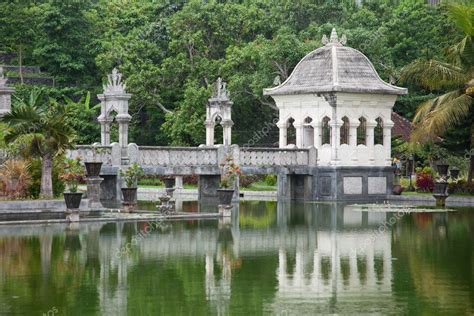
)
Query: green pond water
[{"x": 269, "y": 258}]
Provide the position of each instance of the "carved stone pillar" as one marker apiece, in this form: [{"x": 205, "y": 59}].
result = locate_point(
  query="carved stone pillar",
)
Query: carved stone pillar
[
  {"x": 353, "y": 139},
  {"x": 387, "y": 141},
  {"x": 283, "y": 139},
  {"x": 5, "y": 95},
  {"x": 336, "y": 140},
  {"x": 317, "y": 134},
  {"x": 115, "y": 100},
  {"x": 105, "y": 131},
  {"x": 209, "y": 133},
  {"x": 227, "y": 130},
  {"x": 370, "y": 125},
  {"x": 219, "y": 106},
  {"x": 299, "y": 134}
]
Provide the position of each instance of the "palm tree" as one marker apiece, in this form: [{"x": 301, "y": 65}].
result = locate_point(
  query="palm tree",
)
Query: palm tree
[
  {"x": 41, "y": 125},
  {"x": 455, "y": 73}
]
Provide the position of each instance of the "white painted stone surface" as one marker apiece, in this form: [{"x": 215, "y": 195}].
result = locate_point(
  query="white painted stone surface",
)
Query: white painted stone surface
[
  {"x": 352, "y": 185},
  {"x": 336, "y": 81},
  {"x": 377, "y": 185}
]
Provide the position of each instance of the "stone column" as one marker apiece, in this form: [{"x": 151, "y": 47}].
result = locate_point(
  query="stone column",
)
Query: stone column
[
  {"x": 283, "y": 141},
  {"x": 105, "y": 131},
  {"x": 335, "y": 140},
  {"x": 299, "y": 134},
  {"x": 179, "y": 182},
  {"x": 123, "y": 120},
  {"x": 353, "y": 139},
  {"x": 209, "y": 133},
  {"x": 5, "y": 95},
  {"x": 227, "y": 130},
  {"x": 387, "y": 141},
  {"x": 370, "y": 125},
  {"x": 317, "y": 134}
]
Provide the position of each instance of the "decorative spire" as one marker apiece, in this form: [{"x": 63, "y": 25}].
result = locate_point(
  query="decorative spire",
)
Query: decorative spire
[
  {"x": 114, "y": 83},
  {"x": 220, "y": 90},
  {"x": 334, "y": 39}
]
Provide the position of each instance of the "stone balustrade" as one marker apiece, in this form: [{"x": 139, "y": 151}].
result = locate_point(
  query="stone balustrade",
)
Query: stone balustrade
[
  {"x": 270, "y": 157},
  {"x": 151, "y": 157},
  {"x": 175, "y": 156},
  {"x": 108, "y": 155}
]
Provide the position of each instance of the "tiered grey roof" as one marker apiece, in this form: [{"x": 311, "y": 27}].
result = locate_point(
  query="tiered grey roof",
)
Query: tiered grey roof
[{"x": 334, "y": 68}]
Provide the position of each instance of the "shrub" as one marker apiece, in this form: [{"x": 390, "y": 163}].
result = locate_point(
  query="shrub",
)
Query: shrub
[
  {"x": 246, "y": 180},
  {"x": 191, "y": 179},
  {"x": 461, "y": 187},
  {"x": 424, "y": 179},
  {"x": 35, "y": 172},
  {"x": 270, "y": 179},
  {"x": 150, "y": 180},
  {"x": 15, "y": 178}
]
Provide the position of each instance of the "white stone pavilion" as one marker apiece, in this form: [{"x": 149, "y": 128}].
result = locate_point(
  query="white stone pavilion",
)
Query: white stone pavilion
[{"x": 335, "y": 101}]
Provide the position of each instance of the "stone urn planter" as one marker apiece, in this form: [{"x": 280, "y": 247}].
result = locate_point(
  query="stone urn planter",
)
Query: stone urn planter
[
  {"x": 225, "y": 196},
  {"x": 169, "y": 182},
  {"x": 129, "y": 195},
  {"x": 442, "y": 169},
  {"x": 73, "y": 200},
  {"x": 93, "y": 168},
  {"x": 454, "y": 173}
]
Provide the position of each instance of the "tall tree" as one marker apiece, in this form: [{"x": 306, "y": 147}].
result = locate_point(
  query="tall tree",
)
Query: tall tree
[
  {"x": 64, "y": 42},
  {"x": 455, "y": 73},
  {"x": 42, "y": 125}
]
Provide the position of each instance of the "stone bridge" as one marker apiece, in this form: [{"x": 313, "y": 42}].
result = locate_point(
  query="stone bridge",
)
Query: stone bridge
[{"x": 203, "y": 161}]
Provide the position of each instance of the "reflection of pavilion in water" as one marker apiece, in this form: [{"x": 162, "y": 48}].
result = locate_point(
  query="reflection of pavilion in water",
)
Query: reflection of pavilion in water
[{"x": 318, "y": 247}]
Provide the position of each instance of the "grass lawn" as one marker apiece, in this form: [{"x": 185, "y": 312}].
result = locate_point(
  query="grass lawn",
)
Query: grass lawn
[{"x": 259, "y": 186}]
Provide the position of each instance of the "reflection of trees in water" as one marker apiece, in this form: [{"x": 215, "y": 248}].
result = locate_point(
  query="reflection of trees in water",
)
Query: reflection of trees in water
[
  {"x": 435, "y": 258},
  {"x": 257, "y": 214}
]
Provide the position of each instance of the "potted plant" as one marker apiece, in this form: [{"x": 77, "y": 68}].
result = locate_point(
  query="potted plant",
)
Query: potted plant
[
  {"x": 93, "y": 167},
  {"x": 131, "y": 176},
  {"x": 72, "y": 175},
  {"x": 230, "y": 172}
]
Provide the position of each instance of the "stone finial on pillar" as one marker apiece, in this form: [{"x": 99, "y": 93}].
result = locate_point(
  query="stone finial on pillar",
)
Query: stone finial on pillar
[
  {"x": 5, "y": 94},
  {"x": 114, "y": 100},
  {"x": 219, "y": 107}
]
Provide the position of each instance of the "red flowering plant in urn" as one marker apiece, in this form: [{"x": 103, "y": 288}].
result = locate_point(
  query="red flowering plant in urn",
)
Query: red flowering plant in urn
[
  {"x": 230, "y": 174},
  {"x": 72, "y": 175}
]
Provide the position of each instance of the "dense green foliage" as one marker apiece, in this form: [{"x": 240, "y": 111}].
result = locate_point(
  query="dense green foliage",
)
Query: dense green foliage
[{"x": 170, "y": 54}]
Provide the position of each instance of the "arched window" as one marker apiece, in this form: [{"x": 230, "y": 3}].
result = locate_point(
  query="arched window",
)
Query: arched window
[
  {"x": 362, "y": 132},
  {"x": 325, "y": 131},
  {"x": 345, "y": 131},
  {"x": 291, "y": 132},
  {"x": 218, "y": 130},
  {"x": 378, "y": 131},
  {"x": 308, "y": 132}
]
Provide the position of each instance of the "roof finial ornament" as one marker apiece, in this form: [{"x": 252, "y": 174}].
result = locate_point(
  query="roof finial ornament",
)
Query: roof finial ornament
[
  {"x": 334, "y": 39},
  {"x": 114, "y": 82},
  {"x": 220, "y": 89},
  {"x": 325, "y": 40}
]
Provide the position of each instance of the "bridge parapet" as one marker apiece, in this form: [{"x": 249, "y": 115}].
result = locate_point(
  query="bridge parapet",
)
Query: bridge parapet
[
  {"x": 108, "y": 155},
  {"x": 276, "y": 157},
  {"x": 175, "y": 156}
]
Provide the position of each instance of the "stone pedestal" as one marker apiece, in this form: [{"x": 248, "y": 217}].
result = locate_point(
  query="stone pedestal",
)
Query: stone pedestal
[
  {"x": 93, "y": 192},
  {"x": 72, "y": 215}
]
